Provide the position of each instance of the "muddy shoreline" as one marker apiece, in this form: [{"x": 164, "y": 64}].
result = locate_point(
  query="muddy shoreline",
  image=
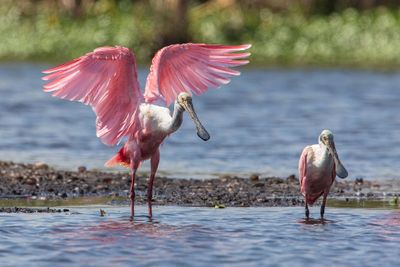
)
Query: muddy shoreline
[{"x": 42, "y": 182}]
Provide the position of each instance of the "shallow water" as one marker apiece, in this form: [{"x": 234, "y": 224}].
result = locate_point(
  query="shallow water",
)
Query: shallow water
[
  {"x": 258, "y": 123},
  {"x": 201, "y": 237}
]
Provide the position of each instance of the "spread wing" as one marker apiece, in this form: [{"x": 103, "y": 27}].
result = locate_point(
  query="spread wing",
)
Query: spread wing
[
  {"x": 105, "y": 79},
  {"x": 192, "y": 68}
]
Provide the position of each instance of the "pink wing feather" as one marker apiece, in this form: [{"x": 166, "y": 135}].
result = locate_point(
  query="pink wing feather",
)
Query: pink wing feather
[
  {"x": 105, "y": 79},
  {"x": 192, "y": 68},
  {"x": 303, "y": 166}
]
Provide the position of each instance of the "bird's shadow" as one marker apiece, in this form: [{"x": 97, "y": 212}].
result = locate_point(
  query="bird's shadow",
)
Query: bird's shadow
[
  {"x": 313, "y": 221},
  {"x": 142, "y": 219}
]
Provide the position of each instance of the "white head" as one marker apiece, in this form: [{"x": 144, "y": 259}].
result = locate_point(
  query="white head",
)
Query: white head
[
  {"x": 185, "y": 101},
  {"x": 326, "y": 139},
  {"x": 325, "y": 136}
]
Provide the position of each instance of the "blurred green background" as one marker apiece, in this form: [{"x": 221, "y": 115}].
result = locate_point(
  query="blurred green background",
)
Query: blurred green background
[{"x": 361, "y": 33}]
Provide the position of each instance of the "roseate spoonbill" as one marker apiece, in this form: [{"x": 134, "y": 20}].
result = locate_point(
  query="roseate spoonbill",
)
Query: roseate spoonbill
[
  {"x": 318, "y": 166},
  {"x": 106, "y": 79}
]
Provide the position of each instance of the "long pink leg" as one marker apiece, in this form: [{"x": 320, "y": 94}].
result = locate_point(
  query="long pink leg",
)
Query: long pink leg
[
  {"x": 155, "y": 159},
  {"x": 133, "y": 150},
  {"x": 132, "y": 193}
]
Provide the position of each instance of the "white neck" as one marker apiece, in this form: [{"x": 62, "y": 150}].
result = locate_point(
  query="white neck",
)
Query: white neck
[
  {"x": 177, "y": 118},
  {"x": 322, "y": 156}
]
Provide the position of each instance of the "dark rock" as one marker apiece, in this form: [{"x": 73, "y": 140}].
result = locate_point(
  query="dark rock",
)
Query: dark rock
[
  {"x": 18, "y": 178},
  {"x": 30, "y": 181},
  {"x": 359, "y": 181},
  {"x": 274, "y": 180},
  {"x": 292, "y": 179},
  {"x": 81, "y": 169},
  {"x": 259, "y": 185},
  {"x": 107, "y": 180},
  {"x": 254, "y": 177},
  {"x": 74, "y": 178}
]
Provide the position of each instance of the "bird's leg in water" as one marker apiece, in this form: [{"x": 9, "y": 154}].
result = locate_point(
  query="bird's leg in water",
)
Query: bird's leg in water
[
  {"x": 155, "y": 159},
  {"x": 307, "y": 211},
  {"x": 132, "y": 193},
  {"x": 323, "y": 206}
]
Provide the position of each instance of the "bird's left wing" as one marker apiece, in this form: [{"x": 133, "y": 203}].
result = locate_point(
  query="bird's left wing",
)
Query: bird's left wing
[
  {"x": 192, "y": 68},
  {"x": 105, "y": 79}
]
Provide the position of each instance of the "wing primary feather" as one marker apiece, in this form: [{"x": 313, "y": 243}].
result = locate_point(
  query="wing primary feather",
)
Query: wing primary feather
[
  {"x": 105, "y": 79},
  {"x": 192, "y": 68}
]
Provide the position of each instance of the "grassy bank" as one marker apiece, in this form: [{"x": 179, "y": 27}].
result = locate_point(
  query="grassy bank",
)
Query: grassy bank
[{"x": 352, "y": 38}]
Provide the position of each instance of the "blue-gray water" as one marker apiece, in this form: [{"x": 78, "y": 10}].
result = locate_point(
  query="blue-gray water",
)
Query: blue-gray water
[
  {"x": 258, "y": 123},
  {"x": 201, "y": 237}
]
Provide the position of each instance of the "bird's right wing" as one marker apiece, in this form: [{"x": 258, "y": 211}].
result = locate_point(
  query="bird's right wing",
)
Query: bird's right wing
[
  {"x": 105, "y": 79},
  {"x": 303, "y": 165},
  {"x": 334, "y": 173}
]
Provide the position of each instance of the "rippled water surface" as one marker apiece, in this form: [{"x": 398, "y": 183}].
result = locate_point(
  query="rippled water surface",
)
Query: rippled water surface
[
  {"x": 258, "y": 123},
  {"x": 201, "y": 237}
]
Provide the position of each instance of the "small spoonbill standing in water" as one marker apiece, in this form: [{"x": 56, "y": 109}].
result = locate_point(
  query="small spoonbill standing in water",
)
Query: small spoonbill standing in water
[
  {"x": 106, "y": 79},
  {"x": 318, "y": 166}
]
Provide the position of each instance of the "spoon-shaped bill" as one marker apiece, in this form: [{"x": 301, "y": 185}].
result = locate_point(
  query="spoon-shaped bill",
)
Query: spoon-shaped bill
[
  {"x": 201, "y": 131},
  {"x": 341, "y": 171}
]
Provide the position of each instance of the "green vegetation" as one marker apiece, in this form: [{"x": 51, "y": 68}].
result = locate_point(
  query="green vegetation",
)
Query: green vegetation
[
  {"x": 76, "y": 201},
  {"x": 50, "y": 35},
  {"x": 105, "y": 200},
  {"x": 290, "y": 37}
]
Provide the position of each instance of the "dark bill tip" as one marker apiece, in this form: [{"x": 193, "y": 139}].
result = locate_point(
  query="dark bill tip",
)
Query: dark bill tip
[
  {"x": 203, "y": 134},
  {"x": 341, "y": 172},
  {"x": 201, "y": 131}
]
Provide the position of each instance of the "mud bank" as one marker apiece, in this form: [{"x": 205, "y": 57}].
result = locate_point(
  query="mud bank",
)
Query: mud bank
[{"x": 40, "y": 181}]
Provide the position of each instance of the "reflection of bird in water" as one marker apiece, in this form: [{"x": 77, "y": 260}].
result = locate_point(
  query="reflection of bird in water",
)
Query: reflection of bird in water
[
  {"x": 390, "y": 226},
  {"x": 318, "y": 166},
  {"x": 106, "y": 79},
  {"x": 111, "y": 231}
]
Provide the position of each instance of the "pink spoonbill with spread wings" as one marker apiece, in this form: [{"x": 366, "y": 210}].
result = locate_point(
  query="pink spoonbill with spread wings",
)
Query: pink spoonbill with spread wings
[
  {"x": 106, "y": 79},
  {"x": 318, "y": 166}
]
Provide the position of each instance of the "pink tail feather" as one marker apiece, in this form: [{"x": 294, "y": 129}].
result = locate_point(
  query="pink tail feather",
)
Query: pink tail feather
[{"x": 119, "y": 159}]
